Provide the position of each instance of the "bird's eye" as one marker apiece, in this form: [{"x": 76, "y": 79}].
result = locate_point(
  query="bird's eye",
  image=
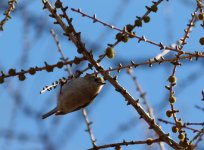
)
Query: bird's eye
[{"x": 96, "y": 79}]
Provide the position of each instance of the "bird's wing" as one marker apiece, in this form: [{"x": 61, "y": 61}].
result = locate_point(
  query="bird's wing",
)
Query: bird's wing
[{"x": 84, "y": 105}]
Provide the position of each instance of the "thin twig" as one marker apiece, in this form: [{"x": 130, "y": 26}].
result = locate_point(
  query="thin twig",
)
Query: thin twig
[
  {"x": 127, "y": 143},
  {"x": 143, "y": 97},
  {"x": 88, "y": 123},
  {"x": 172, "y": 123},
  {"x": 60, "y": 50},
  {"x": 199, "y": 134},
  {"x": 7, "y": 13}
]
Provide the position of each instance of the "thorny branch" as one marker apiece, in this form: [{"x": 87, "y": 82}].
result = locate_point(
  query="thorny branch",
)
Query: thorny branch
[
  {"x": 132, "y": 64},
  {"x": 61, "y": 17},
  {"x": 142, "y": 38},
  {"x": 7, "y": 13},
  {"x": 127, "y": 143},
  {"x": 93, "y": 140},
  {"x": 76, "y": 39}
]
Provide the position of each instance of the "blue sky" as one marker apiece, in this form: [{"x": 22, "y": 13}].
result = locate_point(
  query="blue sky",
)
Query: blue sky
[{"x": 23, "y": 42}]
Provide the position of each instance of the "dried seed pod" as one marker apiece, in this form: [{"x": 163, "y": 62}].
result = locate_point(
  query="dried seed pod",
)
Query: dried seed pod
[
  {"x": 32, "y": 71},
  {"x": 76, "y": 60},
  {"x": 48, "y": 68},
  {"x": 21, "y": 77},
  {"x": 60, "y": 64},
  {"x": 201, "y": 41},
  {"x": 58, "y": 4},
  {"x": 149, "y": 141},
  {"x": 12, "y": 72},
  {"x": 169, "y": 113}
]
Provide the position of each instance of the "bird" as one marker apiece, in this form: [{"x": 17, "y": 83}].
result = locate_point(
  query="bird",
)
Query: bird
[{"x": 76, "y": 94}]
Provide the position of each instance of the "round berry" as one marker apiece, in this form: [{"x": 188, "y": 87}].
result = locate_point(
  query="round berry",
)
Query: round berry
[
  {"x": 49, "y": 68},
  {"x": 125, "y": 39},
  {"x": 60, "y": 64},
  {"x": 201, "y": 16},
  {"x": 154, "y": 8},
  {"x": 76, "y": 60},
  {"x": 172, "y": 79},
  {"x": 138, "y": 23},
  {"x": 169, "y": 113},
  {"x": 201, "y": 41},
  {"x": 119, "y": 36},
  {"x": 12, "y": 72},
  {"x": 172, "y": 99},
  {"x": 181, "y": 136},
  {"x": 175, "y": 129},
  {"x": 149, "y": 141},
  {"x": 110, "y": 52},
  {"x": 21, "y": 77},
  {"x": 1, "y": 80},
  {"x": 58, "y": 4},
  {"x": 146, "y": 19},
  {"x": 129, "y": 27},
  {"x": 32, "y": 71}
]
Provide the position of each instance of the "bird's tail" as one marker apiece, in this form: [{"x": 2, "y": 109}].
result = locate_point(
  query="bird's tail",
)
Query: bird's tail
[{"x": 52, "y": 112}]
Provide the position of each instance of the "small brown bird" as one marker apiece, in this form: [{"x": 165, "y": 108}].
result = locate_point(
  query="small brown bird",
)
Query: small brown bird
[{"x": 77, "y": 94}]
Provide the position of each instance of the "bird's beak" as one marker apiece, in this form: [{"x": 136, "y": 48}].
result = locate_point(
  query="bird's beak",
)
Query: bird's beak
[{"x": 102, "y": 83}]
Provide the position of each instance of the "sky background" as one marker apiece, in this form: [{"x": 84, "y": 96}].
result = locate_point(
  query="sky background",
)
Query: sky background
[{"x": 26, "y": 42}]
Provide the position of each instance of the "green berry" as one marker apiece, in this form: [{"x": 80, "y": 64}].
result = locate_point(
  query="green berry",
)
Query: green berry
[
  {"x": 175, "y": 129},
  {"x": 119, "y": 36},
  {"x": 172, "y": 79},
  {"x": 110, "y": 52},
  {"x": 125, "y": 39},
  {"x": 12, "y": 72},
  {"x": 168, "y": 113},
  {"x": 181, "y": 136},
  {"x": 138, "y": 23},
  {"x": 146, "y": 19},
  {"x": 1, "y": 80},
  {"x": 32, "y": 71},
  {"x": 60, "y": 64},
  {"x": 21, "y": 77},
  {"x": 172, "y": 99},
  {"x": 154, "y": 8},
  {"x": 129, "y": 27},
  {"x": 49, "y": 68},
  {"x": 201, "y": 16}
]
